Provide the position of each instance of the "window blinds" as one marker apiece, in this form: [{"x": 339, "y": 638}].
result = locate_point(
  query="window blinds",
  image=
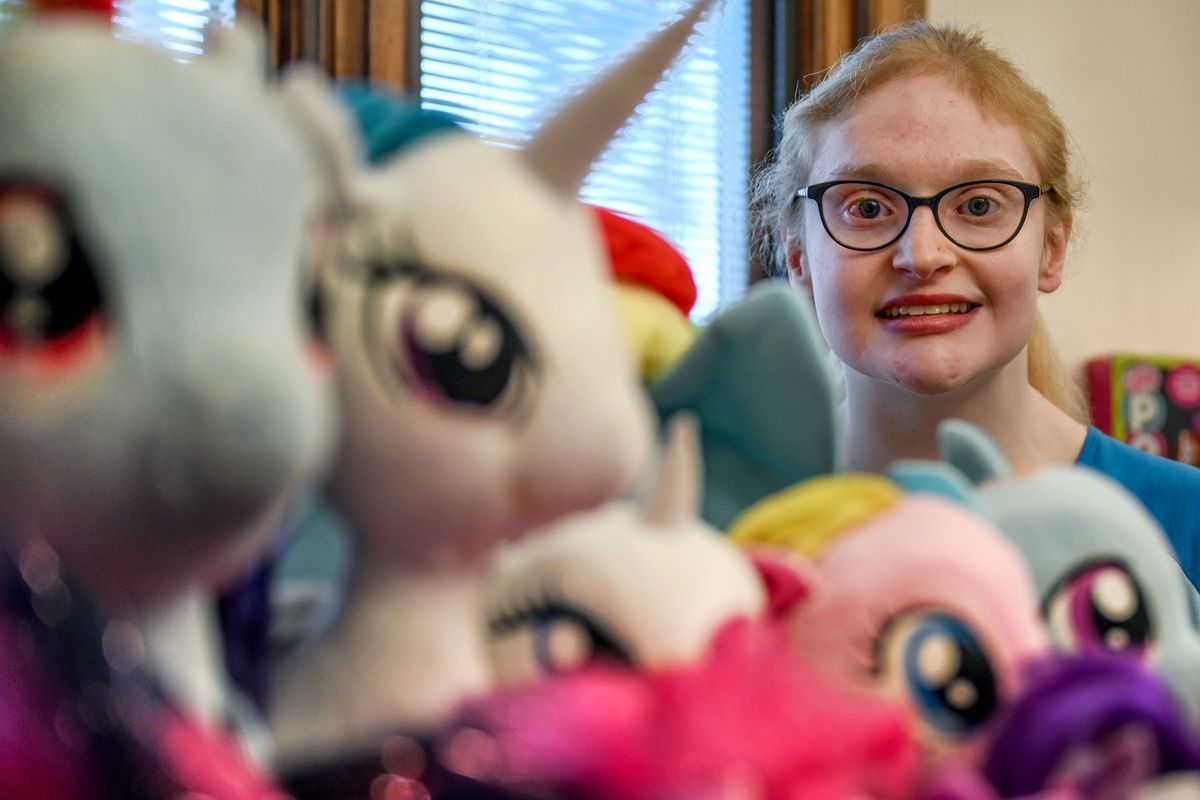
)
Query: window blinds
[
  {"x": 682, "y": 166},
  {"x": 176, "y": 25}
]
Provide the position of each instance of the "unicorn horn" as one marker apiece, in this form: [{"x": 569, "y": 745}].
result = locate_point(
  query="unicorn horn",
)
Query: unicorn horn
[
  {"x": 677, "y": 492},
  {"x": 564, "y": 149}
]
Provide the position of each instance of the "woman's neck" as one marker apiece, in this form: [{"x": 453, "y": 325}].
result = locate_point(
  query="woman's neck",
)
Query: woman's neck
[{"x": 884, "y": 422}]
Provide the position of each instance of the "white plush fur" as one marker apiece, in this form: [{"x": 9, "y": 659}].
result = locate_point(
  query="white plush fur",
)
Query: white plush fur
[
  {"x": 430, "y": 487},
  {"x": 159, "y": 469},
  {"x": 654, "y": 577}
]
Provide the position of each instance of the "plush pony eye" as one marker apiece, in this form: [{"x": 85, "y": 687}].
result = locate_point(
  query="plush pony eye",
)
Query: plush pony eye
[
  {"x": 938, "y": 661},
  {"x": 314, "y": 260},
  {"x": 449, "y": 341},
  {"x": 551, "y": 638},
  {"x": 49, "y": 293},
  {"x": 1100, "y": 606}
]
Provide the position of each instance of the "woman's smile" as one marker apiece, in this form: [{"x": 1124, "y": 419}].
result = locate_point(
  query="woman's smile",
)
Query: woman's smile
[{"x": 926, "y": 313}]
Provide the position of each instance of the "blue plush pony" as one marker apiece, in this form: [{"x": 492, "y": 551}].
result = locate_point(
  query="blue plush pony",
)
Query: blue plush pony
[{"x": 1102, "y": 566}]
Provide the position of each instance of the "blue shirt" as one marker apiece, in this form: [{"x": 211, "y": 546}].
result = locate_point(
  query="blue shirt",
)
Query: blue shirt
[{"x": 1170, "y": 490}]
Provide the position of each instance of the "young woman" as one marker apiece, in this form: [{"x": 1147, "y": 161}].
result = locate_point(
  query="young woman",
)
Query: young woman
[{"x": 923, "y": 194}]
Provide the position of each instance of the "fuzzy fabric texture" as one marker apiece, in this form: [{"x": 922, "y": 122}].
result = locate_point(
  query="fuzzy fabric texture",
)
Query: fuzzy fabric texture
[
  {"x": 749, "y": 720},
  {"x": 643, "y": 256}
]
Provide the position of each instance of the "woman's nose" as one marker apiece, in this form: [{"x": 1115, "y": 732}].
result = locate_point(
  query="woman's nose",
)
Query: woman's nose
[{"x": 923, "y": 250}]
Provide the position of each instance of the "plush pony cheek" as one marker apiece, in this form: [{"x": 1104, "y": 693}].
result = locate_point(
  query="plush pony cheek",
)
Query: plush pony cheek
[
  {"x": 56, "y": 358},
  {"x": 320, "y": 358}
]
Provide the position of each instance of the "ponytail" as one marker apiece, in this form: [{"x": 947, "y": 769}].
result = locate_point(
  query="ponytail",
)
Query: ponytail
[{"x": 1048, "y": 375}]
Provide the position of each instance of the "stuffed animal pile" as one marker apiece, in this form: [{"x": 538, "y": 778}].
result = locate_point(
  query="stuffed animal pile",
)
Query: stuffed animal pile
[{"x": 596, "y": 551}]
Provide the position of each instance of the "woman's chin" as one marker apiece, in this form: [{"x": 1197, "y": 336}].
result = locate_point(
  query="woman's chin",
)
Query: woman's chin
[{"x": 924, "y": 379}]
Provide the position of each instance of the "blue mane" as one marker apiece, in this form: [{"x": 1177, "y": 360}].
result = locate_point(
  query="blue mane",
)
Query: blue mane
[{"x": 391, "y": 121}]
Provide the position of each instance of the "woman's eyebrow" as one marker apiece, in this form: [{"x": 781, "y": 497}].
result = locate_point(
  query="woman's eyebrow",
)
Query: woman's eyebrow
[
  {"x": 973, "y": 169},
  {"x": 860, "y": 171},
  {"x": 986, "y": 168}
]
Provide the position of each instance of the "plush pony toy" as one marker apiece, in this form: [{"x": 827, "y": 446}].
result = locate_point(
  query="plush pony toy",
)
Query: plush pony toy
[
  {"x": 911, "y": 597},
  {"x": 759, "y": 380},
  {"x": 641, "y": 659},
  {"x": 747, "y": 718},
  {"x": 655, "y": 291},
  {"x": 1103, "y": 568},
  {"x": 486, "y": 388},
  {"x": 1093, "y": 725},
  {"x": 641, "y": 584},
  {"x": 1095, "y": 720},
  {"x": 161, "y": 397}
]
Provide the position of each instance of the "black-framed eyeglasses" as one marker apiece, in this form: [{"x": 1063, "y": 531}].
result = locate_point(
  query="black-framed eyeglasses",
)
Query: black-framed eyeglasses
[{"x": 976, "y": 215}]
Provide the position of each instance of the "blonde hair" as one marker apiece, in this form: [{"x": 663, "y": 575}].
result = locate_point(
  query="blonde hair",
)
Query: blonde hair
[
  {"x": 987, "y": 77},
  {"x": 1048, "y": 375},
  {"x": 807, "y": 516}
]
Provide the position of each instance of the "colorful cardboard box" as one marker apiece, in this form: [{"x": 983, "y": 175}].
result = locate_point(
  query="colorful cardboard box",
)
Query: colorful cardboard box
[{"x": 1151, "y": 402}]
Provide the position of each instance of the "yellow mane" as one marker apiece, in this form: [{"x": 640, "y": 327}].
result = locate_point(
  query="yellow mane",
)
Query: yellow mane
[{"x": 808, "y": 515}]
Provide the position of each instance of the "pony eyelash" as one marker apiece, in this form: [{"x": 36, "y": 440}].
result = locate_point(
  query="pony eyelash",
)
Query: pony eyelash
[{"x": 546, "y": 605}]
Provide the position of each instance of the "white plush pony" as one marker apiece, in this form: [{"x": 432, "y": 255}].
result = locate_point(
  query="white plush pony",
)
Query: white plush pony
[
  {"x": 645, "y": 585},
  {"x": 486, "y": 392},
  {"x": 160, "y": 398}
]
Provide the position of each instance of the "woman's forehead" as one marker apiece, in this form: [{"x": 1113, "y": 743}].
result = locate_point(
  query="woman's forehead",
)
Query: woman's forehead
[{"x": 921, "y": 133}]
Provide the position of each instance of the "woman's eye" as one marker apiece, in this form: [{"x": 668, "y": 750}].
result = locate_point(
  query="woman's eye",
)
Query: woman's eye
[
  {"x": 1101, "y": 606},
  {"x": 867, "y": 208},
  {"x": 939, "y": 663},
  {"x": 978, "y": 206},
  {"x": 993, "y": 203},
  {"x": 451, "y": 342},
  {"x": 553, "y": 639}
]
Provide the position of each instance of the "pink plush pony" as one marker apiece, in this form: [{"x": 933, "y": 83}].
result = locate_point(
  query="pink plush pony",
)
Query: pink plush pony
[
  {"x": 641, "y": 659},
  {"x": 909, "y": 597}
]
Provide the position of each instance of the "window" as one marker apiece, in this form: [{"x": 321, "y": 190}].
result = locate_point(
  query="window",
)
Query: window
[
  {"x": 682, "y": 166},
  {"x": 176, "y": 25}
]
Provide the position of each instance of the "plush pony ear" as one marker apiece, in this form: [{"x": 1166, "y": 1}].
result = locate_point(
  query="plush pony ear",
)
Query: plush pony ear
[
  {"x": 789, "y": 577},
  {"x": 935, "y": 477},
  {"x": 241, "y": 50},
  {"x": 333, "y": 139},
  {"x": 972, "y": 451}
]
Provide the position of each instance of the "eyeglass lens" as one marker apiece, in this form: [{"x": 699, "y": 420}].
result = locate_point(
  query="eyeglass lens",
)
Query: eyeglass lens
[{"x": 979, "y": 215}]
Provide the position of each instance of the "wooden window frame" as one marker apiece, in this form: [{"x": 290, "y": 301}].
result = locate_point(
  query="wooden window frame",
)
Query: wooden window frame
[
  {"x": 368, "y": 39},
  {"x": 792, "y": 43}
]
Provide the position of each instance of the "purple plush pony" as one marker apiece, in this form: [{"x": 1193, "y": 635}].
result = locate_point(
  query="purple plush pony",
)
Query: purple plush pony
[{"x": 1093, "y": 725}]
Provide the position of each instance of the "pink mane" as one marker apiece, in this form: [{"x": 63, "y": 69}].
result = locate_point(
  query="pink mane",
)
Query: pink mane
[{"x": 750, "y": 717}]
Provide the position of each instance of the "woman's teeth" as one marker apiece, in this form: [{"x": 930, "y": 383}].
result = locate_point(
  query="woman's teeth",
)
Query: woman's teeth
[{"x": 917, "y": 311}]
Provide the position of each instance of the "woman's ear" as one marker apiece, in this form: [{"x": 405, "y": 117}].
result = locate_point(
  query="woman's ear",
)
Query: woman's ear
[
  {"x": 1054, "y": 254},
  {"x": 798, "y": 272}
]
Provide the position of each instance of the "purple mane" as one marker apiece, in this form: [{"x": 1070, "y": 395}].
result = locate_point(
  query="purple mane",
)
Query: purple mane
[{"x": 1074, "y": 706}]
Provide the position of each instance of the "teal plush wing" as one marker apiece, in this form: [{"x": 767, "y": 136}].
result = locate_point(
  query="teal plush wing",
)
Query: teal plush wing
[{"x": 761, "y": 385}]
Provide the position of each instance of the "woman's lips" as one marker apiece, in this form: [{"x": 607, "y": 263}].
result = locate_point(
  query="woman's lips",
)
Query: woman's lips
[{"x": 934, "y": 321}]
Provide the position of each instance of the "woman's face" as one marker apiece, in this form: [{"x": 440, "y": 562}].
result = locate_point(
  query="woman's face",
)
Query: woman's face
[{"x": 921, "y": 134}]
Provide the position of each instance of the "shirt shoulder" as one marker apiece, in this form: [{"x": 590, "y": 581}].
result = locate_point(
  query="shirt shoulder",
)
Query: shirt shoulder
[
  {"x": 1170, "y": 490},
  {"x": 1152, "y": 474}
]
